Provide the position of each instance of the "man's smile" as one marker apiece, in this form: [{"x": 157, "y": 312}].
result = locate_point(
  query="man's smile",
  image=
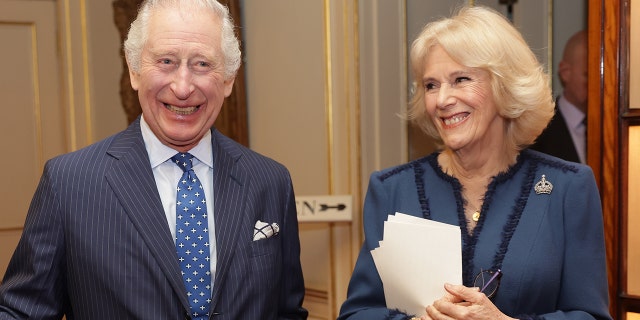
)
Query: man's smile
[{"x": 183, "y": 111}]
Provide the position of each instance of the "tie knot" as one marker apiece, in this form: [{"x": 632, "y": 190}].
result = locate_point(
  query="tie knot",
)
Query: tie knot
[{"x": 183, "y": 160}]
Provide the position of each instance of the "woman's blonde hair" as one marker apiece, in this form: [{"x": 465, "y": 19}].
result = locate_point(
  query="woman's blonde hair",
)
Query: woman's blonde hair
[{"x": 479, "y": 37}]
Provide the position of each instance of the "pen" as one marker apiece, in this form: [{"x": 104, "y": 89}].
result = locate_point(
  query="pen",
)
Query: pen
[{"x": 496, "y": 274}]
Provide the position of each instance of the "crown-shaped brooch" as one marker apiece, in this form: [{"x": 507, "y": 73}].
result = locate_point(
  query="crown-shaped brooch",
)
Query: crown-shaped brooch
[{"x": 543, "y": 186}]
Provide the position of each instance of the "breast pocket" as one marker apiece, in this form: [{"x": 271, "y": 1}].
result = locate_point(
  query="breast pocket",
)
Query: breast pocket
[
  {"x": 265, "y": 246},
  {"x": 266, "y": 259}
]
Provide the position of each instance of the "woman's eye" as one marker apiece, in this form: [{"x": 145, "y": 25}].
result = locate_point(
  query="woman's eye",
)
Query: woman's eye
[
  {"x": 429, "y": 86},
  {"x": 165, "y": 61},
  {"x": 462, "y": 79}
]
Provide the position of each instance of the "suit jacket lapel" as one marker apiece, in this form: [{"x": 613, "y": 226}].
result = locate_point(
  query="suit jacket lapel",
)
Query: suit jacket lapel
[
  {"x": 229, "y": 181},
  {"x": 133, "y": 183}
]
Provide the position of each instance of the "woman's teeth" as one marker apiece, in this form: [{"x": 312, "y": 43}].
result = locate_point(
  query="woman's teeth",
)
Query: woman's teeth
[{"x": 455, "y": 119}]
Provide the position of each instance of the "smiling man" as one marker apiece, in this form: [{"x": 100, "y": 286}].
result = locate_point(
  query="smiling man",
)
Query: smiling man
[{"x": 160, "y": 221}]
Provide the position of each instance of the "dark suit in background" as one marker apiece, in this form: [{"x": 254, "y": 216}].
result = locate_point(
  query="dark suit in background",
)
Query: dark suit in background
[{"x": 556, "y": 139}]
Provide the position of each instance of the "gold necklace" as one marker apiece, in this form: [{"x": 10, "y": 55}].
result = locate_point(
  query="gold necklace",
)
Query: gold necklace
[
  {"x": 476, "y": 213},
  {"x": 476, "y": 216}
]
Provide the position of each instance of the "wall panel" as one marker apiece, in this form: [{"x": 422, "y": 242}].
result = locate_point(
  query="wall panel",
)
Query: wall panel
[{"x": 34, "y": 123}]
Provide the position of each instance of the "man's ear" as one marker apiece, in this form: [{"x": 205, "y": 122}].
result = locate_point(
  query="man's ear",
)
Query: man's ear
[
  {"x": 228, "y": 86},
  {"x": 134, "y": 77},
  {"x": 564, "y": 69}
]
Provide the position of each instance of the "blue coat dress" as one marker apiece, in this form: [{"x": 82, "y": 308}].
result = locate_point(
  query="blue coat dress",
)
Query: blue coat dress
[{"x": 550, "y": 246}]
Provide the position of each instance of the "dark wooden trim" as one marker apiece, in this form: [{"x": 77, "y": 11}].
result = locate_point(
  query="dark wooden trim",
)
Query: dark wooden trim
[
  {"x": 628, "y": 304},
  {"x": 603, "y": 137},
  {"x": 631, "y": 114},
  {"x": 610, "y": 118},
  {"x": 628, "y": 118}
]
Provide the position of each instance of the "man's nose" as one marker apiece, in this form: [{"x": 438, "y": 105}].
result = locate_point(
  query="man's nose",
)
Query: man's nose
[{"x": 182, "y": 84}]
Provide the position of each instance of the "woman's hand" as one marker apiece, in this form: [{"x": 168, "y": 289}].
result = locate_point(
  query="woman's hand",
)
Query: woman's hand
[{"x": 462, "y": 302}]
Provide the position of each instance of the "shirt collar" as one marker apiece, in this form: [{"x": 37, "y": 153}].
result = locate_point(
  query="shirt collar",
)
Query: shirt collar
[
  {"x": 159, "y": 153},
  {"x": 572, "y": 115}
]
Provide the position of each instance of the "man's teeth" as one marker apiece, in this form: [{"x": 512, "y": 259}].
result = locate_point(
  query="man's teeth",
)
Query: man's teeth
[
  {"x": 182, "y": 111},
  {"x": 455, "y": 119}
]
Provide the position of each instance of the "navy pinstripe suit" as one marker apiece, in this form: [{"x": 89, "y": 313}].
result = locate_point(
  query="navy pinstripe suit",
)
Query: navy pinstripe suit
[{"x": 96, "y": 244}]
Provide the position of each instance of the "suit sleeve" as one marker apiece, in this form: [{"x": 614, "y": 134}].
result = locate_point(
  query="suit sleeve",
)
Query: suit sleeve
[
  {"x": 365, "y": 296},
  {"x": 33, "y": 286},
  {"x": 292, "y": 290}
]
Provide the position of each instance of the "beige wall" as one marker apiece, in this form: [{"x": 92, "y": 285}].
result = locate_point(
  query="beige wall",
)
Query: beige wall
[
  {"x": 304, "y": 111},
  {"x": 60, "y": 87},
  {"x": 31, "y": 94},
  {"x": 46, "y": 93},
  {"x": 103, "y": 47},
  {"x": 633, "y": 209}
]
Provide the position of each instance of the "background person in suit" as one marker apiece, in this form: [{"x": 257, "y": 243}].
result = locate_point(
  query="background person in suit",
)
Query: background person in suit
[
  {"x": 565, "y": 136},
  {"x": 100, "y": 237}
]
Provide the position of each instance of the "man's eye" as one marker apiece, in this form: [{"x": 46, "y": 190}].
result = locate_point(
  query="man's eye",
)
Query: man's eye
[{"x": 165, "y": 61}]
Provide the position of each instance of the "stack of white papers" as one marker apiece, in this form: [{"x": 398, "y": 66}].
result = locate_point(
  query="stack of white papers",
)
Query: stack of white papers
[{"x": 415, "y": 259}]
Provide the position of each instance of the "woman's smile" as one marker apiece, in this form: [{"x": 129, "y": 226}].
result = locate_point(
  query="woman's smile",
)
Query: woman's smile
[{"x": 454, "y": 120}]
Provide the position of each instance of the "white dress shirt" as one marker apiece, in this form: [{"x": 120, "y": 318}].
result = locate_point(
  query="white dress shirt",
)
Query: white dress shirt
[
  {"x": 167, "y": 174},
  {"x": 576, "y": 123}
]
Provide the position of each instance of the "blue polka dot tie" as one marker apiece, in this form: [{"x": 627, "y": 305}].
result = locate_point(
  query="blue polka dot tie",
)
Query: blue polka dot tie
[{"x": 192, "y": 237}]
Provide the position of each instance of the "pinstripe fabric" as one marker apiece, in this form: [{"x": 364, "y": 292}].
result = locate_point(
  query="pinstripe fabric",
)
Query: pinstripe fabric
[{"x": 90, "y": 251}]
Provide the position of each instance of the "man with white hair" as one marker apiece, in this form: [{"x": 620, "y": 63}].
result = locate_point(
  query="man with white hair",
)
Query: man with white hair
[{"x": 168, "y": 219}]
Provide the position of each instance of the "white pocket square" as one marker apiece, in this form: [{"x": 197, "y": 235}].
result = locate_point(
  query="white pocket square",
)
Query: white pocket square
[{"x": 263, "y": 230}]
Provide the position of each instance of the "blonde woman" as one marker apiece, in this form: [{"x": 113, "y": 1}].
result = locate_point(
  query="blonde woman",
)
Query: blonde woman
[{"x": 533, "y": 218}]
